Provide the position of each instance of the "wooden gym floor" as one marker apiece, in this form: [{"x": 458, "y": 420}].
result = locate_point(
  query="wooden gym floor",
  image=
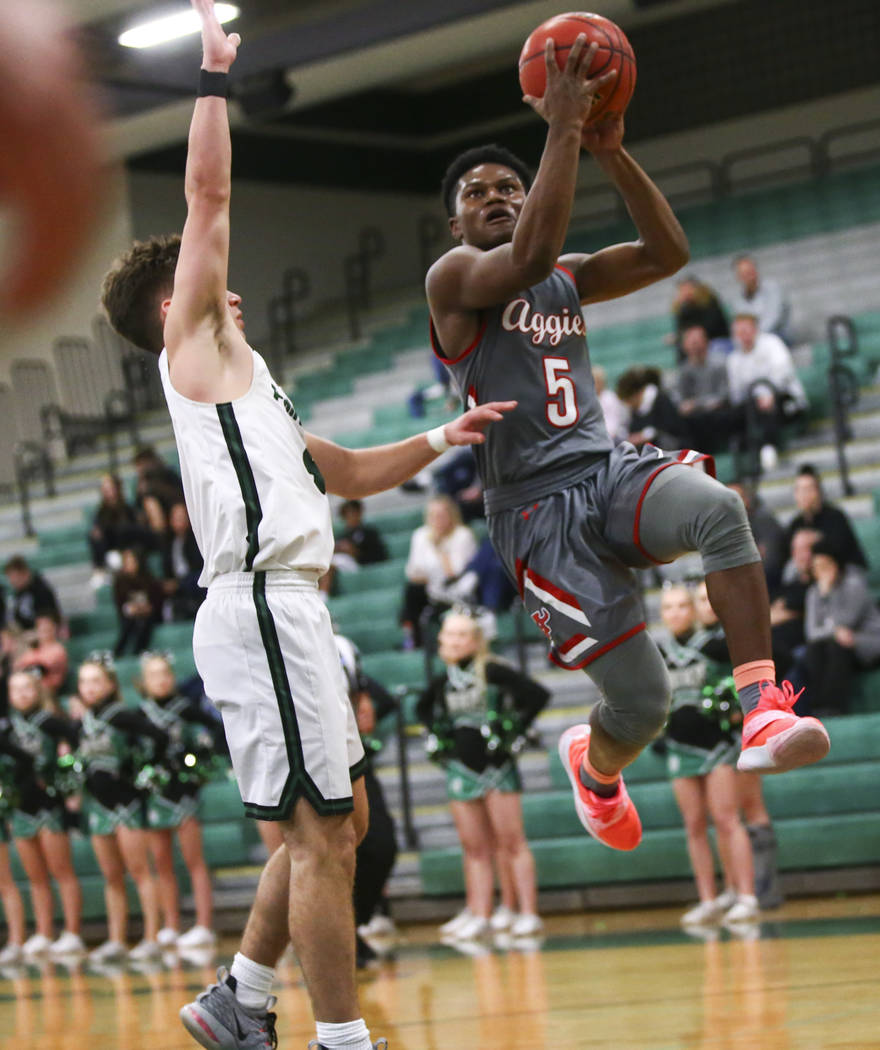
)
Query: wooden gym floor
[{"x": 806, "y": 979}]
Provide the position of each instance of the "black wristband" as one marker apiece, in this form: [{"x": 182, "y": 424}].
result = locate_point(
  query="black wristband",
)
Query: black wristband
[{"x": 213, "y": 84}]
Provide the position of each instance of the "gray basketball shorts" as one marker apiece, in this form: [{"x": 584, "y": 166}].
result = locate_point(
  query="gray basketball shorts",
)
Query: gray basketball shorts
[{"x": 572, "y": 553}]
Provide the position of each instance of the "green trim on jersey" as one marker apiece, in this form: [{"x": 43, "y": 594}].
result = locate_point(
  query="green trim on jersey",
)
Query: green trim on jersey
[
  {"x": 238, "y": 455},
  {"x": 298, "y": 781}
]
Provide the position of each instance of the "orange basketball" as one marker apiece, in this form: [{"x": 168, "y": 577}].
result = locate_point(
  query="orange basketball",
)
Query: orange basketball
[{"x": 614, "y": 53}]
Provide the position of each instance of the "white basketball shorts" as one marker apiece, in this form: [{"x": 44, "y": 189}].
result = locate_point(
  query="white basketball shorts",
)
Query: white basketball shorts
[{"x": 263, "y": 645}]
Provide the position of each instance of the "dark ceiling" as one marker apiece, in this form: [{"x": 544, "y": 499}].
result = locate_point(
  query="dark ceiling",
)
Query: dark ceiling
[{"x": 707, "y": 64}]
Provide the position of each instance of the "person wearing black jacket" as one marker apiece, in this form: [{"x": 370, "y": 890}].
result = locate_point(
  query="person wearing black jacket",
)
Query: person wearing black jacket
[
  {"x": 654, "y": 417},
  {"x": 182, "y": 565},
  {"x": 377, "y": 852},
  {"x": 111, "y": 750},
  {"x": 39, "y": 821},
  {"x": 815, "y": 512},
  {"x": 31, "y": 594},
  {"x": 477, "y": 713}
]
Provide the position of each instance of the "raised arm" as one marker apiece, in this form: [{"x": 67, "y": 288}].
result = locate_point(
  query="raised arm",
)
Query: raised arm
[
  {"x": 203, "y": 341},
  {"x": 662, "y": 247},
  {"x": 356, "y": 473},
  {"x": 468, "y": 278}
]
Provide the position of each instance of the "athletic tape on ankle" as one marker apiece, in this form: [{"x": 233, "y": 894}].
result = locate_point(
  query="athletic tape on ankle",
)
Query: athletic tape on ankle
[
  {"x": 600, "y": 778},
  {"x": 753, "y": 672}
]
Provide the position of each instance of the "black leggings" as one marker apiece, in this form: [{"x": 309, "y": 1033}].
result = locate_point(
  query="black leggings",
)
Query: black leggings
[
  {"x": 375, "y": 855},
  {"x": 830, "y": 671}
]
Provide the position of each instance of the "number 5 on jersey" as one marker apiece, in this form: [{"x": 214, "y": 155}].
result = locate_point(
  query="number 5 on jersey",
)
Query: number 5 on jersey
[{"x": 562, "y": 407}]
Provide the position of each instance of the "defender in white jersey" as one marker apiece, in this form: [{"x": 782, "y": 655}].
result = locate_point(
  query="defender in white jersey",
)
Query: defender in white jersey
[{"x": 255, "y": 489}]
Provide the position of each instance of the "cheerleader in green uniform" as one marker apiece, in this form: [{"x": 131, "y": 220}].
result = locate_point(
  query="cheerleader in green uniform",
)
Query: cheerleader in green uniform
[
  {"x": 110, "y": 749},
  {"x": 14, "y": 764},
  {"x": 702, "y": 747},
  {"x": 39, "y": 826},
  {"x": 478, "y": 711},
  {"x": 173, "y": 803}
]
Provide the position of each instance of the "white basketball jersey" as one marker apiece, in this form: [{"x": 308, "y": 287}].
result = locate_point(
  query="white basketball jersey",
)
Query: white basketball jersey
[{"x": 254, "y": 494}]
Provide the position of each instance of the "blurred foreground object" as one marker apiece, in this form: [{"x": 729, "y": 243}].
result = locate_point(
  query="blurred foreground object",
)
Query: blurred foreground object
[{"x": 52, "y": 173}]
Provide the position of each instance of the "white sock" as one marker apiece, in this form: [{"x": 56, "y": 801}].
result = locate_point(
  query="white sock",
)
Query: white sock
[
  {"x": 352, "y": 1035},
  {"x": 253, "y": 982}
]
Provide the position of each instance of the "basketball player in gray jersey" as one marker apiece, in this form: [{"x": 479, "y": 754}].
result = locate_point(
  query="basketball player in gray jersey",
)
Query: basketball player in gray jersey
[
  {"x": 569, "y": 515},
  {"x": 255, "y": 484}
]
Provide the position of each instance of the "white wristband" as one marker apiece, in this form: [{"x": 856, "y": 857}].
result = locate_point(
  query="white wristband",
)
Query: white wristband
[{"x": 437, "y": 439}]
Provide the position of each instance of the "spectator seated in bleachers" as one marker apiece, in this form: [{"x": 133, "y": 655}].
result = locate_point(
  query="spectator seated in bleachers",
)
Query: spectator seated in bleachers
[
  {"x": 114, "y": 527},
  {"x": 31, "y": 595},
  {"x": 787, "y": 605},
  {"x": 362, "y": 543},
  {"x": 769, "y": 534},
  {"x": 761, "y": 356},
  {"x": 439, "y": 552},
  {"x": 157, "y": 489},
  {"x": 182, "y": 566},
  {"x": 485, "y": 582},
  {"x": 815, "y": 512},
  {"x": 842, "y": 629},
  {"x": 653, "y": 415},
  {"x": 47, "y": 653},
  {"x": 457, "y": 478},
  {"x": 138, "y": 596},
  {"x": 701, "y": 394},
  {"x": 696, "y": 303},
  {"x": 762, "y": 297},
  {"x": 613, "y": 409}
]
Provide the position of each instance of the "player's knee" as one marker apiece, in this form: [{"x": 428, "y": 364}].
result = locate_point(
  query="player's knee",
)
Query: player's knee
[{"x": 725, "y": 538}]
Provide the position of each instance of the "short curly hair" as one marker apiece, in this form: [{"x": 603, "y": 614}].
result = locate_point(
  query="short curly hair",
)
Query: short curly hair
[
  {"x": 489, "y": 154},
  {"x": 135, "y": 286}
]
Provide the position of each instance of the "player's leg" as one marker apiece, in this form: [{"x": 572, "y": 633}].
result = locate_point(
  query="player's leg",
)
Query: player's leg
[
  {"x": 471, "y": 818},
  {"x": 505, "y": 813},
  {"x": 189, "y": 835},
  {"x": 733, "y": 841},
  {"x": 634, "y": 687},
  {"x": 56, "y": 849},
  {"x": 686, "y": 510},
  {"x": 690, "y": 794},
  {"x": 161, "y": 847},
  {"x": 33, "y": 861}
]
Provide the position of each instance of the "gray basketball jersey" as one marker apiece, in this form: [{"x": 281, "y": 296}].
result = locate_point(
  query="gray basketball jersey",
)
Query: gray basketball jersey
[{"x": 532, "y": 349}]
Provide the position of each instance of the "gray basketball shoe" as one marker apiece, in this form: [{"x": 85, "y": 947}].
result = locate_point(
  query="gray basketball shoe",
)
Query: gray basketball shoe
[{"x": 217, "y": 1021}]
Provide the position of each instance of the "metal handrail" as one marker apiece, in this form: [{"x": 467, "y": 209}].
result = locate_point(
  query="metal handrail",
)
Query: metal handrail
[
  {"x": 358, "y": 273},
  {"x": 431, "y": 229},
  {"x": 31, "y": 459},
  {"x": 843, "y": 383}
]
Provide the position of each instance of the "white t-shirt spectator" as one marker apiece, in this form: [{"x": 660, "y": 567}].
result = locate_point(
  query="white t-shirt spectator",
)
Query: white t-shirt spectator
[
  {"x": 437, "y": 563},
  {"x": 769, "y": 359}
]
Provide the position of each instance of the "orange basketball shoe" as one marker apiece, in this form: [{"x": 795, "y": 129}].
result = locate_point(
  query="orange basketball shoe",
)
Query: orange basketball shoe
[
  {"x": 775, "y": 739},
  {"x": 613, "y": 821}
]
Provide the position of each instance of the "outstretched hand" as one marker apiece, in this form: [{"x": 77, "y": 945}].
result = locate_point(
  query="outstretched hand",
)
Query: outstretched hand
[
  {"x": 469, "y": 428},
  {"x": 218, "y": 49},
  {"x": 570, "y": 92}
]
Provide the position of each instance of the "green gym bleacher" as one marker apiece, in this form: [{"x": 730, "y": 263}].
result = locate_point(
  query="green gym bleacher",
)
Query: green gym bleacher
[{"x": 825, "y": 817}]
